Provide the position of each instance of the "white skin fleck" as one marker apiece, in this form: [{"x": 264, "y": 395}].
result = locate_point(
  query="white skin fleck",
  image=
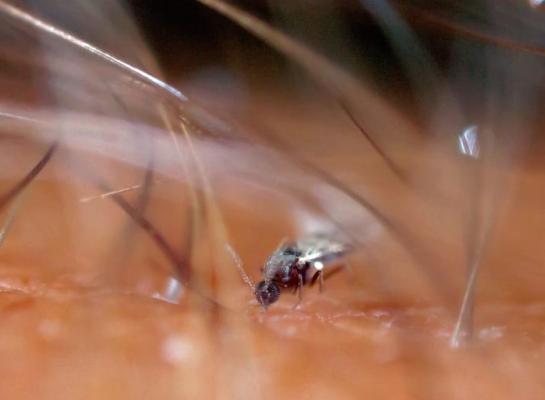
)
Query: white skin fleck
[
  {"x": 176, "y": 350},
  {"x": 492, "y": 332}
]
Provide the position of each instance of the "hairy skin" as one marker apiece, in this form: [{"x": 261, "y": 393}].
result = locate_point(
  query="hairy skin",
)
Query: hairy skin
[
  {"x": 88, "y": 302},
  {"x": 80, "y": 321}
]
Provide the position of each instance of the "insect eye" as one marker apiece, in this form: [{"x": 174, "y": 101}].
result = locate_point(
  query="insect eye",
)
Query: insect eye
[{"x": 267, "y": 293}]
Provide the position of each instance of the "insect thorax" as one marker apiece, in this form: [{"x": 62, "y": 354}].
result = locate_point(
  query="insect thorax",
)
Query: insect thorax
[{"x": 280, "y": 265}]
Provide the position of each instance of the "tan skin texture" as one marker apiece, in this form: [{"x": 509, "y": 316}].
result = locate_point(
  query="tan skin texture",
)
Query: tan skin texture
[
  {"x": 82, "y": 287},
  {"x": 79, "y": 322}
]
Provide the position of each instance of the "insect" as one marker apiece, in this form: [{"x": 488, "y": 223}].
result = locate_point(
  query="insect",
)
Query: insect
[{"x": 292, "y": 264}]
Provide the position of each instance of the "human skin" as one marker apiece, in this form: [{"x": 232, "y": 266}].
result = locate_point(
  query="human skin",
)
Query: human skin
[
  {"x": 80, "y": 319},
  {"x": 83, "y": 288}
]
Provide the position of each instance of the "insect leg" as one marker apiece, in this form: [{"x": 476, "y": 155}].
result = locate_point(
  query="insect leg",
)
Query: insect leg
[
  {"x": 300, "y": 286},
  {"x": 318, "y": 275},
  {"x": 238, "y": 263},
  {"x": 321, "y": 287},
  {"x": 334, "y": 271},
  {"x": 299, "y": 289},
  {"x": 322, "y": 276}
]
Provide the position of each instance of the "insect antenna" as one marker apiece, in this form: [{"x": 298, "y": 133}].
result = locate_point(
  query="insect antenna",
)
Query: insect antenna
[{"x": 238, "y": 262}]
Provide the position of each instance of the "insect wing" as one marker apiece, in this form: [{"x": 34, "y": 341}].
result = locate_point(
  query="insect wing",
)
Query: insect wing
[{"x": 321, "y": 249}]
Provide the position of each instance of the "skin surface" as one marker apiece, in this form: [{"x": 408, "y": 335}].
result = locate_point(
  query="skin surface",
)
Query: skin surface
[
  {"x": 91, "y": 307},
  {"x": 80, "y": 320}
]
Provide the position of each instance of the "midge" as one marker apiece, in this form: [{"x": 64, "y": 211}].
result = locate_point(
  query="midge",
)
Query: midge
[{"x": 295, "y": 264}]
